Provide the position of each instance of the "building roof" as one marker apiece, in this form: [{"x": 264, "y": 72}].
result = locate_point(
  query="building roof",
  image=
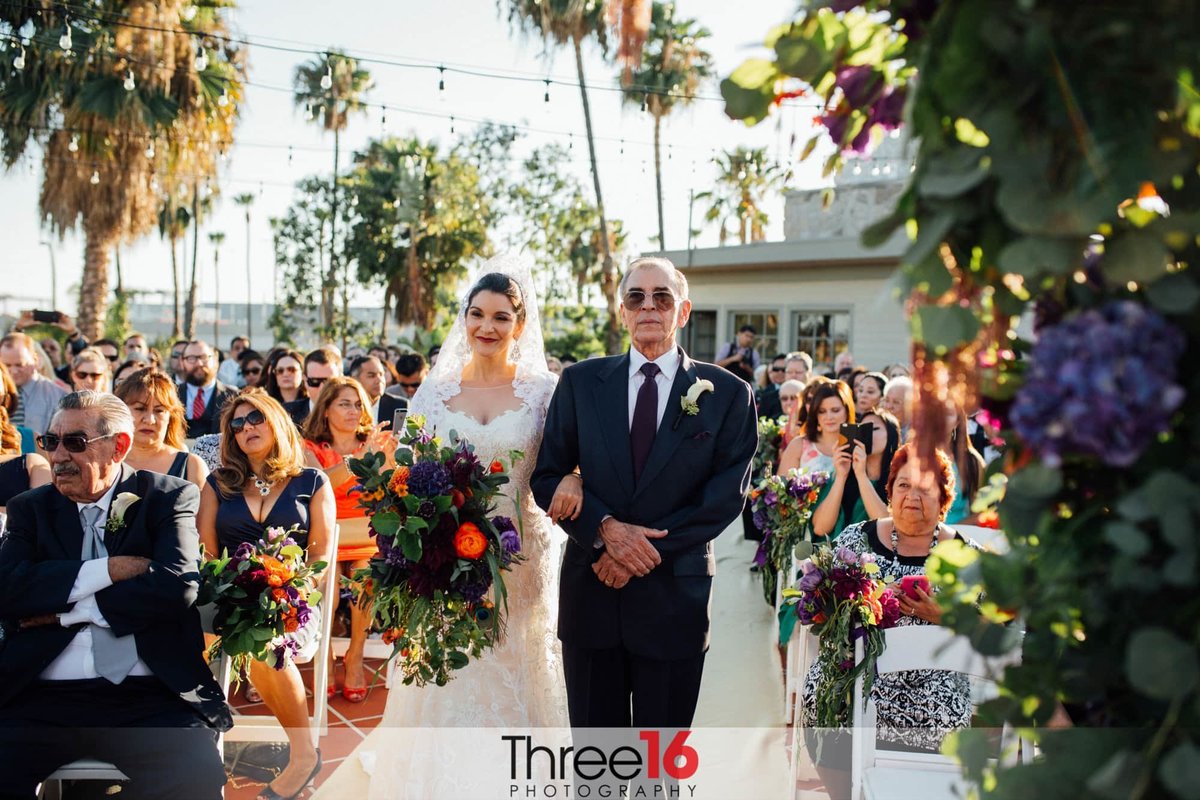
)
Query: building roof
[{"x": 847, "y": 251}]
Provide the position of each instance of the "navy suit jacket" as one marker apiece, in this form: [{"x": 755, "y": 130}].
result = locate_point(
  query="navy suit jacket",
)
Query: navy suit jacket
[
  {"x": 693, "y": 486},
  {"x": 210, "y": 420},
  {"x": 40, "y": 557}
]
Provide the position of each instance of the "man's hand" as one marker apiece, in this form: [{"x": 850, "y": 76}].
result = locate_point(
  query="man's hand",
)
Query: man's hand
[
  {"x": 39, "y": 621},
  {"x": 610, "y": 573},
  {"x": 629, "y": 545},
  {"x": 123, "y": 568}
]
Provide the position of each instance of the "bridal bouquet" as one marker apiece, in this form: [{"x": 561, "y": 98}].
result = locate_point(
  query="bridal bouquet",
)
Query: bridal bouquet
[
  {"x": 264, "y": 599},
  {"x": 442, "y": 552},
  {"x": 840, "y": 597},
  {"x": 783, "y": 506}
]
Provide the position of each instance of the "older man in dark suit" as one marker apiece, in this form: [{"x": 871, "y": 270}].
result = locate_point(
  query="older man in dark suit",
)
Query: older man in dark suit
[
  {"x": 202, "y": 395},
  {"x": 664, "y": 445},
  {"x": 102, "y": 651}
]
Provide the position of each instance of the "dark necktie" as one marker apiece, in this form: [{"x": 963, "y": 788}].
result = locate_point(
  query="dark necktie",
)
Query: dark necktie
[
  {"x": 645, "y": 419},
  {"x": 198, "y": 404}
]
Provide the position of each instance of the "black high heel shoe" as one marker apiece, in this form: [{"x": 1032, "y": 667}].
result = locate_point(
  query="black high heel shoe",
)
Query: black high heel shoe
[{"x": 270, "y": 794}]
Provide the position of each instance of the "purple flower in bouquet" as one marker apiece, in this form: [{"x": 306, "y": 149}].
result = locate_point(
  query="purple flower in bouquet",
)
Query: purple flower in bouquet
[
  {"x": 760, "y": 556},
  {"x": 835, "y": 123},
  {"x": 285, "y": 651},
  {"x": 891, "y": 609},
  {"x": 860, "y": 85},
  {"x": 429, "y": 479},
  {"x": 427, "y": 509},
  {"x": 463, "y": 467},
  {"x": 812, "y": 578},
  {"x": 244, "y": 550},
  {"x": 1102, "y": 383},
  {"x": 846, "y": 555},
  {"x": 474, "y": 592},
  {"x": 850, "y": 583},
  {"x": 390, "y": 553},
  {"x": 770, "y": 498}
]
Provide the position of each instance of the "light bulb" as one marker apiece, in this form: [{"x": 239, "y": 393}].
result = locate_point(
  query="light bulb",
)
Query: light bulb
[
  {"x": 442, "y": 84},
  {"x": 129, "y": 84},
  {"x": 150, "y": 150},
  {"x": 546, "y": 96},
  {"x": 74, "y": 145},
  {"x": 327, "y": 78},
  {"x": 189, "y": 13},
  {"x": 95, "y": 180},
  {"x": 154, "y": 183},
  {"x": 452, "y": 125},
  {"x": 289, "y": 155},
  {"x": 201, "y": 62},
  {"x": 27, "y": 31},
  {"x": 64, "y": 41},
  {"x": 223, "y": 100},
  {"x": 308, "y": 111},
  {"x": 19, "y": 61}
]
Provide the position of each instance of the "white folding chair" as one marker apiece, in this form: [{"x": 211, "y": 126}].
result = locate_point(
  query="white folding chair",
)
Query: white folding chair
[
  {"x": 85, "y": 769},
  {"x": 265, "y": 728},
  {"x": 991, "y": 539},
  {"x": 880, "y": 775}
]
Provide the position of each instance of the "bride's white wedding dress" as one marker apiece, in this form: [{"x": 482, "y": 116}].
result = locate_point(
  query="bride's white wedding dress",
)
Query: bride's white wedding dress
[{"x": 519, "y": 683}]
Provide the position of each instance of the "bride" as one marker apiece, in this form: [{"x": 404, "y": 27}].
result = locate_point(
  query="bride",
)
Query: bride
[{"x": 491, "y": 386}]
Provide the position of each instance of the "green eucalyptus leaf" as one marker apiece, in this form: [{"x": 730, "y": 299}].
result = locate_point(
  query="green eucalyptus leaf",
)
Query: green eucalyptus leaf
[
  {"x": 930, "y": 275},
  {"x": 1180, "y": 771},
  {"x": 1116, "y": 778},
  {"x": 386, "y": 523},
  {"x": 1160, "y": 665},
  {"x": 750, "y": 90},
  {"x": 881, "y": 230},
  {"x": 1136, "y": 256},
  {"x": 1036, "y": 481},
  {"x": 802, "y": 56},
  {"x": 1175, "y": 293},
  {"x": 804, "y": 549},
  {"x": 1127, "y": 538},
  {"x": 1033, "y": 256},
  {"x": 944, "y": 327},
  {"x": 930, "y": 234}
]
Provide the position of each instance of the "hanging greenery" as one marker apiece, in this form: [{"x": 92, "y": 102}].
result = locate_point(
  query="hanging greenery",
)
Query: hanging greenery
[{"x": 1056, "y": 180}]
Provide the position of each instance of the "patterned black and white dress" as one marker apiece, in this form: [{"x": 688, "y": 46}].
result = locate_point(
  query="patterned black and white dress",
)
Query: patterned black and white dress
[{"x": 916, "y": 709}]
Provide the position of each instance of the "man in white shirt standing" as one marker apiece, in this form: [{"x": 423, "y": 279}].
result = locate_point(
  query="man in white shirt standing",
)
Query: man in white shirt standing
[{"x": 101, "y": 652}]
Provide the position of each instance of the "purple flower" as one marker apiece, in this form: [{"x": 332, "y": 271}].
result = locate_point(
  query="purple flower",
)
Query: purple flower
[
  {"x": 811, "y": 580},
  {"x": 429, "y": 479},
  {"x": 473, "y": 592},
  {"x": 888, "y": 110},
  {"x": 835, "y": 123},
  {"x": 245, "y": 550},
  {"x": 1101, "y": 384},
  {"x": 846, "y": 555},
  {"x": 860, "y": 85},
  {"x": 510, "y": 541}
]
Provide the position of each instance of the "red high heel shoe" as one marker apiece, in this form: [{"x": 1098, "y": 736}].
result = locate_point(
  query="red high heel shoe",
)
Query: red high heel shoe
[{"x": 353, "y": 695}]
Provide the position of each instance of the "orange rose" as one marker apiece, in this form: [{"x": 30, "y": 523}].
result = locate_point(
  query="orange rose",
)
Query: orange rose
[
  {"x": 279, "y": 595},
  {"x": 399, "y": 482},
  {"x": 469, "y": 541},
  {"x": 496, "y": 467},
  {"x": 291, "y": 624},
  {"x": 390, "y": 636}
]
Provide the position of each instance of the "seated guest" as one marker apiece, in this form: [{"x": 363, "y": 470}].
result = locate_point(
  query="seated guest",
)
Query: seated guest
[
  {"x": 968, "y": 466},
  {"x": 372, "y": 375},
  {"x": 340, "y": 428},
  {"x": 230, "y": 371},
  {"x": 53, "y": 351},
  {"x": 37, "y": 397},
  {"x": 886, "y": 438},
  {"x": 103, "y": 655},
  {"x": 263, "y": 482},
  {"x": 136, "y": 347},
  {"x": 204, "y": 397},
  {"x": 126, "y": 369},
  {"x": 109, "y": 349},
  {"x": 90, "y": 371},
  {"x": 159, "y": 427},
  {"x": 285, "y": 371},
  {"x": 319, "y": 366},
  {"x": 411, "y": 369},
  {"x": 251, "y": 368},
  {"x": 798, "y": 367},
  {"x": 18, "y": 473},
  {"x": 10, "y": 401},
  {"x": 554, "y": 365},
  {"x": 789, "y": 394},
  {"x": 916, "y": 709},
  {"x": 767, "y": 398},
  {"x": 897, "y": 401}
]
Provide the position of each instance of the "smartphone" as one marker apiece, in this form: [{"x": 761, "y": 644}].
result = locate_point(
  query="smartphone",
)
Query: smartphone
[
  {"x": 398, "y": 419},
  {"x": 51, "y": 317},
  {"x": 908, "y": 582},
  {"x": 850, "y": 431}
]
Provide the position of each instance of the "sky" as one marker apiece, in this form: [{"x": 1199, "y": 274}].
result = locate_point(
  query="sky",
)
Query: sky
[{"x": 275, "y": 146}]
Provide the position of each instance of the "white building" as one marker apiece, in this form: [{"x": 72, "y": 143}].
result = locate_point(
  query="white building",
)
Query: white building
[{"x": 819, "y": 290}]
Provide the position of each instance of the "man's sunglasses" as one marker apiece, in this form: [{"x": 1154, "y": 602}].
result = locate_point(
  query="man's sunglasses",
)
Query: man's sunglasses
[
  {"x": 113, "y": 359},
  {"x": 252, "y": 371},
  {"x": 634, "y": 300},
  {"x": 315, "y": 383},
  {"x": 413, "y": 385},
  {"x": 778, "y": 369},
  {"x": 255, "y": 417},
  {"x": 85, "y": 376},
  {"x": 74, "y": 442}
]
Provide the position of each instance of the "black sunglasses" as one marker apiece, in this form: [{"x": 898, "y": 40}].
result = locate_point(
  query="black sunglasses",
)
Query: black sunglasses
[
  {"x": 74, "y": 442},
  {"x": 413, "y": 385},
  {"x": 252, "y": 371},
  {"x": 254, "y": 417},
  {"x": 314, "y": 383},
  {"x": 635, "y": 299},
  {"x": 778, "y": 369}
]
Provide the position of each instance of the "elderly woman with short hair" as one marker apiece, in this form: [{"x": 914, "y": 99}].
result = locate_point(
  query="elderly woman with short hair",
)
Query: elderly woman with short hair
[{"x": 90, "y": 370}]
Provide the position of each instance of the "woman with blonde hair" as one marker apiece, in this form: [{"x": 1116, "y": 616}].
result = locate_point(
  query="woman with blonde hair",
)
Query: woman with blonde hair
[
  {"x": 91, "y": 370},
  {"x": 159, "y": 427},
  {"x": 262, "y": 482}
]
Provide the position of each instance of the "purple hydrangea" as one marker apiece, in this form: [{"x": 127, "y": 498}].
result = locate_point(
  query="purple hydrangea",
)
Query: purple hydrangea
[
  {"x": 860, "y": 85},
  {"x": 391, "y": 554},
  {"x": 1102, "y": 384},
  {"x": 475, "y": 591},
  {"x": 429, "y": 479},
  {"x": 888, "y": 110}
]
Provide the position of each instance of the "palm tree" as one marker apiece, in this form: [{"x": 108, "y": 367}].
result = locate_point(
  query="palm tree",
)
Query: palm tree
[
  {"x": 329, "y": 89},
  {"x": 746, "y": 177},
  {"x": 245, "y": 200},
  {"x": 673, "y": 67},
  {"x": 573, "y": 21},
  {"x": 115, "y": 112},
  {"x": 217, "y": 239},
  {"x": 172, "y": 225}
]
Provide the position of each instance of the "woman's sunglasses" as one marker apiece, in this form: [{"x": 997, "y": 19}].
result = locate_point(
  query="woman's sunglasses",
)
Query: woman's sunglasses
[
  {"x": 252, "y": 371},
  {"x": 74, "y": 442},
  {"x": 255, "y": 417}
]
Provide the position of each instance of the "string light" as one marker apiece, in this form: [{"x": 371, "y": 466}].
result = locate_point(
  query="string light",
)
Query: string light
[
  {"x": 150, "y": 150},
  {"x": 546, "y": 96},
  {"x": 201, "y": 62},
  {"x": 130, "y": 85},
  {"x": 308, "y": 111},
  {"x": 64, "y": 41},
  {"x": 95, "y": 179},
  {"x": 74, "y": 145},
  {"x": 327, "y": 78},
  {"x": 189, "y": 13},
  {"x": 452, "y": 125},
  {"x": 441, "y": 82},
  {"x": 223, "y": 100},
  {"x": 289, "y": 155},
  {"x": 19, "y": 61},
  {"x": 26, "y": 32}
]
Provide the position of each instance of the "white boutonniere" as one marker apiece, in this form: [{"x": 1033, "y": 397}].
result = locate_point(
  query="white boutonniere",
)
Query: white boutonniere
[
  {"x": 690, "y": 402},
  {"x": 116, "y": 514}
]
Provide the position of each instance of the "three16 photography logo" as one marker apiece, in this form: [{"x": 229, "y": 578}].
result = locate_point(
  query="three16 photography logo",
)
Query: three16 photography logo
[{"x": 604, "y": 763}]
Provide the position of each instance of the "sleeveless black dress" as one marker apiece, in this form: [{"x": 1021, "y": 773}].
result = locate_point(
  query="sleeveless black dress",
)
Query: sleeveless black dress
[
  {"x": 178, "y": 467},
  {"x": 235, "y": 524},
  {"x": 14, "y": 479}
]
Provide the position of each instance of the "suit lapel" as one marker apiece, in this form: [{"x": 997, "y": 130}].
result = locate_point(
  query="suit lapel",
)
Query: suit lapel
[
  {"x": 612, "y": 408},
  {"x": 126, "y": 483},
  {"x": 67, "y": 527},
  {"x": 669, "y": 435}
]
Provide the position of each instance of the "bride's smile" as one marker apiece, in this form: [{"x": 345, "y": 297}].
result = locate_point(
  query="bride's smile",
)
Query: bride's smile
[{"x": 491, "y": 324}]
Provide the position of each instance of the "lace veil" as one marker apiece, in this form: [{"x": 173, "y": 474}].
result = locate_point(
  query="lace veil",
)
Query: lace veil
[{"x": 533, "y": 384}]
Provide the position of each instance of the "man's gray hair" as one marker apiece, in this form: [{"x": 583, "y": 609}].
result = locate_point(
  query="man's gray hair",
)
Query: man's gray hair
[
  {"x": 678, "y": 280},
  {"x": 114, "y": 416},
  {"x": 800, "y": 355}
]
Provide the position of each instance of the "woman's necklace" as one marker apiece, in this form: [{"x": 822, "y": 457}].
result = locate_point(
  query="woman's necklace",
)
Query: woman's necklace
[
  {"x": 264, "y": 487},
  {"x": 896, "y": 543}
]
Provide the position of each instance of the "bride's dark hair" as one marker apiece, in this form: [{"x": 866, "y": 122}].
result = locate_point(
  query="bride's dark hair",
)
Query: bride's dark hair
[{"x": 499, "y": 283}]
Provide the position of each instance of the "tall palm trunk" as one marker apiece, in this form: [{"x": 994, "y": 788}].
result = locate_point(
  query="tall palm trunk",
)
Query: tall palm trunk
[
  {"x": 189, "y": 316},
  {"x": 383, "y": 323},
  {"x": 662, "y": 236},
  {"x": 416, "y": 290},
  {"x": 176, "y": 324},
  {"x": 609, "y": 281},
  {"x": 93, "y": 289}
]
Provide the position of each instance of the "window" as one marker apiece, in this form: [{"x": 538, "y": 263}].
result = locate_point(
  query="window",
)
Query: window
[
  {"x": 766, "y": 342},
  {"x": 822, "y": 334},
  {"x": 699, "y": 336}
]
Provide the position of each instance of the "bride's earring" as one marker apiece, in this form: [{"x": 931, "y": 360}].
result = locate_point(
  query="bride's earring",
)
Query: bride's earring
[{"x": 514, "y": 353}]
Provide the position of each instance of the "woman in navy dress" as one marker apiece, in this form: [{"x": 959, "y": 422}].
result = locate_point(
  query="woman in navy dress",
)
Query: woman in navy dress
[
  {"x": 18, "y": 473},
  {"x": 159, "y": 427},
  {"x": 263, "y": 483}
]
